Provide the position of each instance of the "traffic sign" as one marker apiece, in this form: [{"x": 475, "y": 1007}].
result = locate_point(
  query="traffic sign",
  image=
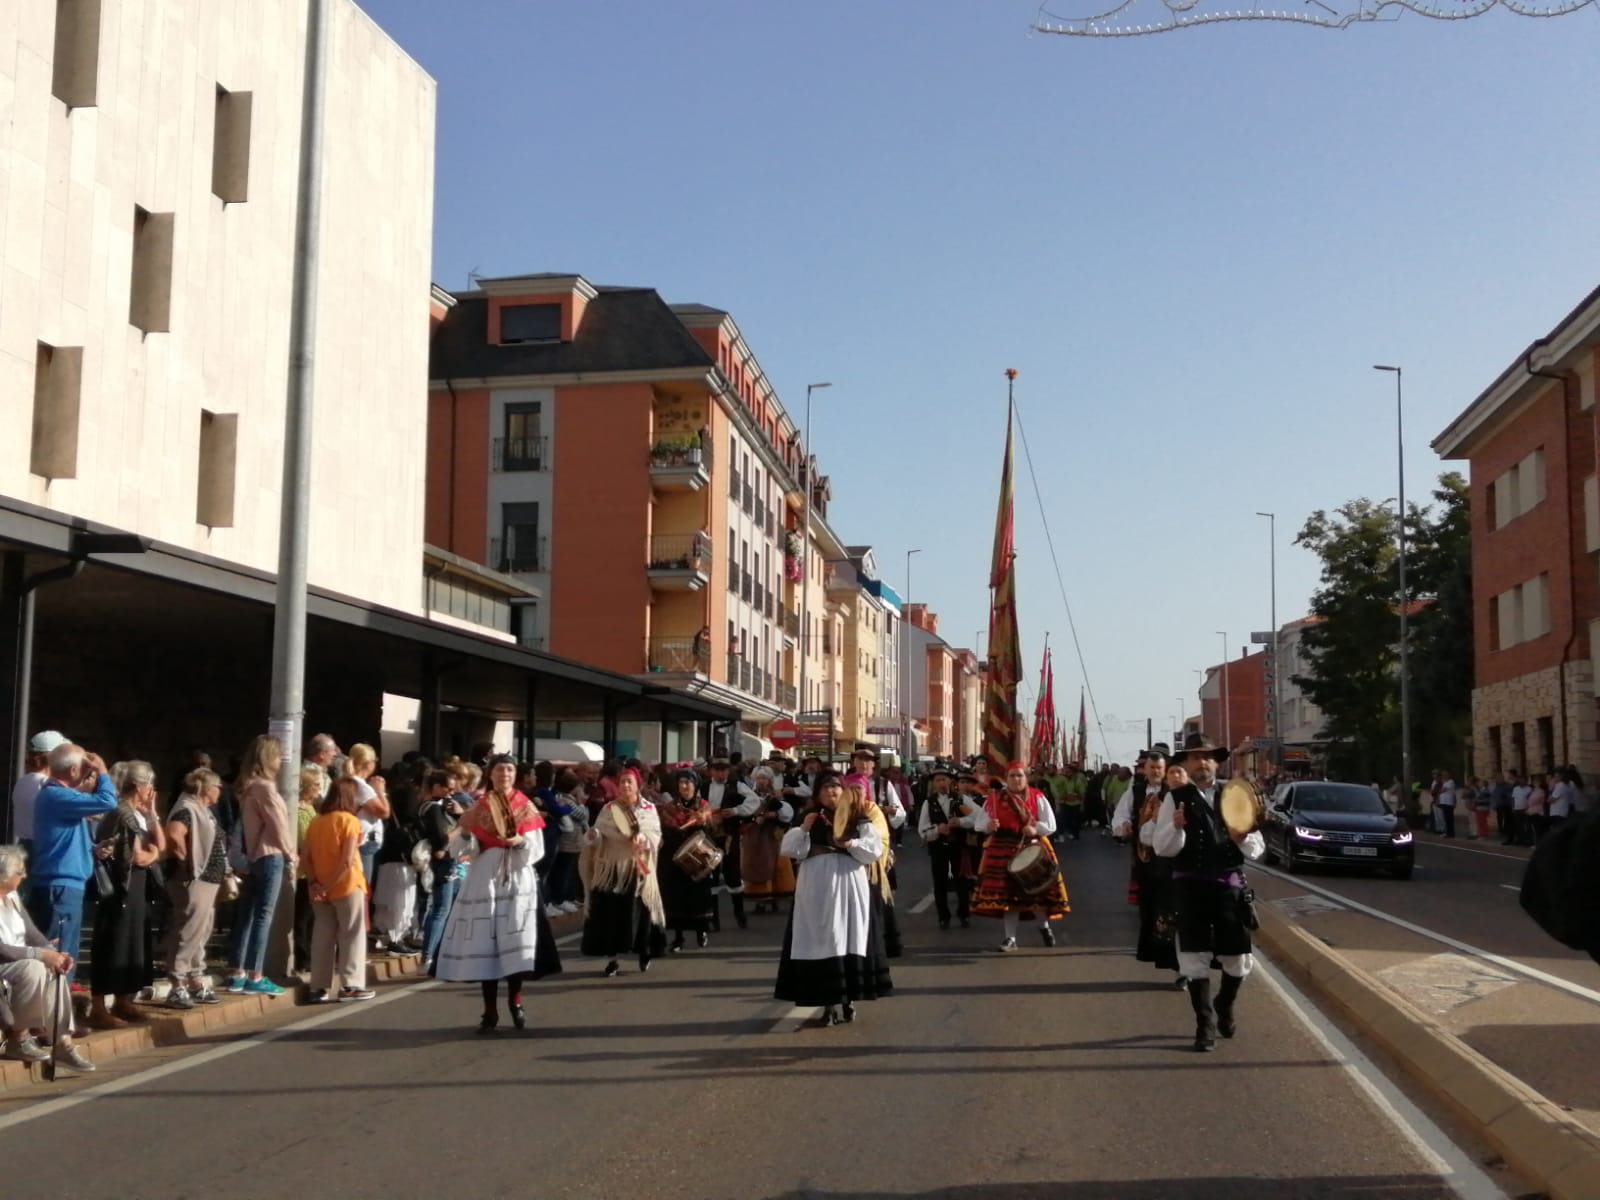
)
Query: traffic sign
[{"x": 783, "y": 733}]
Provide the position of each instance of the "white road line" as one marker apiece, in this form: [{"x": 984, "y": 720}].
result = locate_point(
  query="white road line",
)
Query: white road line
[
  {"x": 922, "y": 906},
  {"x": 1457, "y": 1168},
  {"x": 788, "y": 1018},
  {"x": 1474, "y": 850},
  {"x": 111, "y": 1087},
  {"x": 1498, "y": 960},
  {"x": 1511, "y": 887}
]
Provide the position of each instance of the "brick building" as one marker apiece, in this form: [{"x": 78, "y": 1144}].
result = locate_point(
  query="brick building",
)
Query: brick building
[
  {"x": 1530, "y": 441},
  {"x": 1236, "y": 712}
]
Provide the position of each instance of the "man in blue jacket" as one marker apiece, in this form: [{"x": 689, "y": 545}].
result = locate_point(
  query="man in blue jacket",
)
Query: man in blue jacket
[{"x": 63, "y": 847}]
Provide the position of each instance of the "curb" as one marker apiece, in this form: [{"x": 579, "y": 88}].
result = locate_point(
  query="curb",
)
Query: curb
[
  {"x": 167, "y": 1027},
  {"x": 1548, "y": 1147}
]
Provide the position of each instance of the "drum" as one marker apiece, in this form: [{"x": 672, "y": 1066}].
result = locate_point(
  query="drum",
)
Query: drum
[
  {"x": 698, "y": 856},
  {"x": 1240, "y": 807},
  {"x": 1032, "y": 868}
]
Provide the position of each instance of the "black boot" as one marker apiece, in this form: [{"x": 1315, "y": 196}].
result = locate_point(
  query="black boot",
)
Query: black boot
[
  {"x": 738, "y": 911},
  {"x": 1205, "y": 1028},
  {"x": 1225, "y": 999}
]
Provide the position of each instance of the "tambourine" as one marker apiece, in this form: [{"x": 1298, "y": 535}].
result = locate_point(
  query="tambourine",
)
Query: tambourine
[{"x": 1240, "y": 807}]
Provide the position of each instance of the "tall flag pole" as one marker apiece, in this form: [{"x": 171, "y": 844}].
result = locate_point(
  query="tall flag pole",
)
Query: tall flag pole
[
  {"x": 1000, "y": 722},
  {"x": 1044, "y": 711},
  {"x": 1083, "y": 732}
]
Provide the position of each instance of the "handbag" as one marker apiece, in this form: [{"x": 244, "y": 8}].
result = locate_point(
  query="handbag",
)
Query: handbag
[
  {"x": 105, "y": 887},
  {"x": 228, "y": 889}
]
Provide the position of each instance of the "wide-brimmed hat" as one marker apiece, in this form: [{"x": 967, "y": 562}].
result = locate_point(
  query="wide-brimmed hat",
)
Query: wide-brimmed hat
[
  {"x": 865, "y": 752},
  {"x": 940, "y": 768},
  {"x": 1159, "y": 750},
  {"x": 1199, "y": 743}
]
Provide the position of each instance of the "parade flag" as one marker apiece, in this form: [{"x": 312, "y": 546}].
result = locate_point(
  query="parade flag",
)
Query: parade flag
[
  {"x": 1000, "y": 741},
  {"x": 1044, "y": 713},
  {"x": 1083, "y": 730}
]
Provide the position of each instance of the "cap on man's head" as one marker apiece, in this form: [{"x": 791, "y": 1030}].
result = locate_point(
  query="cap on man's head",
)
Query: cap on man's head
[
  {"x": 43, "y": 743},
  {"x": 719, "y": 762},
  {"x": 864, "y": 752}
]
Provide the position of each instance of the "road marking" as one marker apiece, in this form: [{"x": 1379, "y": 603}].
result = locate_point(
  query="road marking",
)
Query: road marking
[
  {"x": 1474, "y": 850},
  {"x": 1511, "y": 887},
  {"x": 922, "y": 906},
  {"x": 1468, "y": 1180},
  {"x": 111, "y": 1087},
  {"x": 788, "y": 1018},
  {"x": 1498, "y": 960}
]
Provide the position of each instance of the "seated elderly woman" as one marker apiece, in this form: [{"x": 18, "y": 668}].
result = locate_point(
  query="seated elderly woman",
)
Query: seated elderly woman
[{"x": 34, "y": 992}]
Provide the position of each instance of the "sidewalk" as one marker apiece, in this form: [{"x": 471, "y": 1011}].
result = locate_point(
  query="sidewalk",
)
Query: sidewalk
[{"x": 1513, "y": 1054}]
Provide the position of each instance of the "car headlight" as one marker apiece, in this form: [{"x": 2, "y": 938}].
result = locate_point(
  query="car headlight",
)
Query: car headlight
[
  {"x": 1310, "y": 835},
  {"x": 1402, "y": 837}
]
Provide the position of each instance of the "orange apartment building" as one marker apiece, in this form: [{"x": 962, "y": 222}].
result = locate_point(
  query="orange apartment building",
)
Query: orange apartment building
[
  {"x": 1530, "y": 440},
  {"x": 943, "y": 689},
  {"x": 630, "y": 461}
]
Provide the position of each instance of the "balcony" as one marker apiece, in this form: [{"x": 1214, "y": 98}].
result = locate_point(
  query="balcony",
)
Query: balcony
[
  {"x": 758, "y": 597},
  {"x": 740, "y": 673},
  {"x": 788, "y": 697},
  {"x": 733, "y": 578},
  {"x": 748, "y": 499},
  {"x": 746, "y": 585},
  {"x": 760, "y": 516},
  {"x": 522, "y": 454},
  {"x": 734, "y": 484},
  {"x": 679, "y": 562},
  {"x": 682, "y": 655},
  {"x": 512, "y": 555},
  {"x": 679, "y": 468}
]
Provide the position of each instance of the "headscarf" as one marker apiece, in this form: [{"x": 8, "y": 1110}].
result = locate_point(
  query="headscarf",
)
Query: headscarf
[
  {"x": 502, "y": 817},
  {"x": 678, "y": 777}
]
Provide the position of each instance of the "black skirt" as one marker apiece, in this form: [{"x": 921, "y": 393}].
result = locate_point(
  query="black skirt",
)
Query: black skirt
[
  {"x": 823, "y": 982},
  {"x": 122, "y": 953},
  {"x": 1210, "y": 918},
  {"x": 887, "y": 924},
  {"x": 689, "y": 905},
  {"x": 1156, "y": 918},
  {"x": 619, "y": 924}
]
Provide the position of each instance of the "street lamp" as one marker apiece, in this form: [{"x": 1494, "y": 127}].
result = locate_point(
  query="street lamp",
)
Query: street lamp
[
  {"x": 1405, "y": 673},
  {"x": 905, "y": 665},
  {"x": 1227, "y": 717},
  {"x": 805, "y": 553},
  {"x": 1272, "y": 558}
]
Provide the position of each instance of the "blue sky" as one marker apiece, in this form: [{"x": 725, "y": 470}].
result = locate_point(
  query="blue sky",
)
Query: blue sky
[{"x": 1192, "y": 246}]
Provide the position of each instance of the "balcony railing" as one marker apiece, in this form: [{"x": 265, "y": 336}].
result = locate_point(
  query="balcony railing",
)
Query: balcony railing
[
  {"x": 748, "y": 500},
  {"x": 788, "y": 697},
  {"x": 733, "y": 578},
  {"x": 736, "y": 665},
  {"x": 680, "y": 552},
  {"x": 791, "y": 621},
  {"x": 761, "y": 515},
  {"x": 522, "y": 454},
  {"x": 758, "y": 596},
  {"x": 514, "y": 555},
  {"x": 772, "y": 528},
  {"x": 767, "y": 606},
  {"x": 664, "y": 455},
  {"x": 747, "y": 674},
  {"x": 745, "y": 585},
  {"x": 680, "y": 654},
  {"x": 734, "y": 484}
]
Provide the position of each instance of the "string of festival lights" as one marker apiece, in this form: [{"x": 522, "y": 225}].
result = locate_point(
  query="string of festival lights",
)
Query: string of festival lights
[{"x": 1182, "y": 14}]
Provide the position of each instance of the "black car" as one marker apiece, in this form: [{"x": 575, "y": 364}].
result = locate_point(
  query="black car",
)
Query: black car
[{"x": 1336, "y": 824}]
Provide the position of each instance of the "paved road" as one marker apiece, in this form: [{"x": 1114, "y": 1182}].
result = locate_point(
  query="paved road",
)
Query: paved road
[{"x": 1060, "y": 1074}]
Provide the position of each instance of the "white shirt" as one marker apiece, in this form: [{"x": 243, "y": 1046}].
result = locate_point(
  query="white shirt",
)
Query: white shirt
[
  {"x": 1447, "y": 794},
  {"x": 964, "y": 807},
  {"x": 740, "y": 801},
  {"x": 1561, "y": 799},
  {"x": 13, "y": 930},
  {"x": 1045, "y": 822},
  {"x": 371, "y": 827},
  {"x": 1167, "y": 840},
  {"x": 23, "y": 796},
  {"x": 1519, "y": 797},
  {"x": 894, "y": 809}
]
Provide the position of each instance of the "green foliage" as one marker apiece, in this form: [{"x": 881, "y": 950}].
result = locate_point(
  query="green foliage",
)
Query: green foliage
[{"x": 1353, "y": 650}]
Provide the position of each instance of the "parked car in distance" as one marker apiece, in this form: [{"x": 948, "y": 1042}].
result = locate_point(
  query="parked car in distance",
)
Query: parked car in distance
[{"x": 1342, "y": 825}]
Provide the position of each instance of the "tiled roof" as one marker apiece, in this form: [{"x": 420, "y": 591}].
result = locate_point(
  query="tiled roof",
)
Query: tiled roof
[{"x": 623, "y": 329}]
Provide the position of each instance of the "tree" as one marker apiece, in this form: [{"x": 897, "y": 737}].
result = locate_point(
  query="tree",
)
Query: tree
[{"x": 1353, "y": 648}]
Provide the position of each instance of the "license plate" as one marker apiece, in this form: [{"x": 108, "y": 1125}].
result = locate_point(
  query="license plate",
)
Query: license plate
[{"x": 1361, "y": 851}]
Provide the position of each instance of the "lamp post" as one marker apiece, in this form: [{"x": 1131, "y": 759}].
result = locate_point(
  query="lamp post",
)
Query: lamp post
[
  {"x": 1227, "y": 717},
  {"x": 1405, "y": 673},
  {"x": 1272, "y": 559},
  {"x": 1183, "y": 715},
  {"x": 905, "y": 665},
  {"x": 805, "y": 554}
]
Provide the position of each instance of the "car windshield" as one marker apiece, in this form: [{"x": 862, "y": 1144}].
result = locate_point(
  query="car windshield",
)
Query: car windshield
[{"x": 1348, "y": 798}]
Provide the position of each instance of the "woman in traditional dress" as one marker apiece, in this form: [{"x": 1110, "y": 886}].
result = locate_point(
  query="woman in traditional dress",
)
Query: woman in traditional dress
[
  {"x": 689, "y": 903},
  {"x": 1014, "y": 818},
  {"x": 121, "y": 962},
  {"x": 622, "y": 906},
  {"x": 497, "y": 927},
  {"x": 768, "y": 875},
  {"x": 833, "y": 951}
]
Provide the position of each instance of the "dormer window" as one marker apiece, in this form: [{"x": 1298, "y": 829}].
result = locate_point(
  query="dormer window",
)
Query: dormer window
[{"x": 529, "y": 323}]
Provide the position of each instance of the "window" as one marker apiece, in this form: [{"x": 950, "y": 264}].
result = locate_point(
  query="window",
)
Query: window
[
  {"x": 57, "y": 384},
  {"x": 75, "y": 70},
  {"x": 150, "y": 296},
  {"x": 529, "y": 323},
  {"x": 1591, "y": 514},
  {"x": 1519, "y": 746},
  {"x": 520, "y": 542},
  {"x": 1547, "y": 744},
  {"x": 1522, "y": 613},
  {"x": 523, "y": 448},
  {"x": 230, "y": 147},
  {"x": 1518, "y": 490},
  {"x": 219, "y": 451}
]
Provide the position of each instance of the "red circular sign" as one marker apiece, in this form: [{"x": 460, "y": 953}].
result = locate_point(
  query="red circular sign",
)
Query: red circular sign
[{"x": 784, "y": 733}]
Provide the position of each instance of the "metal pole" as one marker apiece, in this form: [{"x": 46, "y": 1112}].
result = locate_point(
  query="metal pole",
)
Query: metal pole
[
  {"x": 289, "y": 624},
  {"x": 1227, "y": 716},
  {"x": 1405, "y": 649},
  {"x": 1277, "y": 711},
  {"x": 805, "y": 553},
  {"x": 905, "y": 634}
]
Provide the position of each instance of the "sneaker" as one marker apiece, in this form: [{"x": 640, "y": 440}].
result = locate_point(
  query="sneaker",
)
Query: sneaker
[
  {"x": 1007, "y": 946},
  {"x": 569, "y": 907},
  {"x": 260, "y": 987},
  {"x": 553, "y": 911},
  {"x": 204, "y": 995},
  {"x": 1048, "y": 935},
  {"x": 25, "y": 1049},
  {"x": 237, "y": 984},
  {"x": 318, "y": 996},
  {"x": 179, "y": 998},
  {"x": 349, "y": 995},
  {"x": 73, "y": 1059}
]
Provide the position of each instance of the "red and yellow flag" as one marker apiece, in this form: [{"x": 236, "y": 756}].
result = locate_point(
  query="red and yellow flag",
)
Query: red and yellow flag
[
  {"x": 1000, "y": 740},
  {"x": 1044, "y": 713}
]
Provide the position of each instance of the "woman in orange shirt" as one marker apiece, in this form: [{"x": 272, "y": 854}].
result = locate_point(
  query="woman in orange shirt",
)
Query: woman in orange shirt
[{"x": 338, "y": 890}]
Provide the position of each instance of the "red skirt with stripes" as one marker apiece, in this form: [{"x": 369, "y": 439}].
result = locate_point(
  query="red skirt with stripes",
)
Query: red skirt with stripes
[{"x": 997, "y": 892}]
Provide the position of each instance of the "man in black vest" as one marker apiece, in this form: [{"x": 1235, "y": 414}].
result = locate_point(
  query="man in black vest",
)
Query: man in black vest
[
  {"x": 945, "y": 826},
  {"x": 1208, "y": 885},
  {"x": 1150, "y": 882}
]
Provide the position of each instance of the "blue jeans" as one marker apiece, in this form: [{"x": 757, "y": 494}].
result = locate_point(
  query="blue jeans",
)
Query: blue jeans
[
  {"x": 445, "y": 886},
  {"x": 369, "y": 868},
  {"x": 58, "y": 912},
  {"x": 563, "y": 882},
  {"x": 254, "y": 921}
]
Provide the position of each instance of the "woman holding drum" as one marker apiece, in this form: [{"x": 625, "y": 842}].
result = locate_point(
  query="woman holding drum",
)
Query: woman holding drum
[
  {"x": 1019, "y": 872},
  {"x": 688, "y": 858}
]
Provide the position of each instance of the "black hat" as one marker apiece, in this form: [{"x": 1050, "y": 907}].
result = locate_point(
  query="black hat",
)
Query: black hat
[
  {"x": 940, "y": 769},
  {"x": 719, "y": 760},
  {"x": 811, "y": 758},
  {"x": 1159, "y": 750},
  {"x": 824, "y": 779},
  {"x": 966, "y": 777},
  {"x": 864, "y": 751},
  {"x": 1198, "y": 743}
]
